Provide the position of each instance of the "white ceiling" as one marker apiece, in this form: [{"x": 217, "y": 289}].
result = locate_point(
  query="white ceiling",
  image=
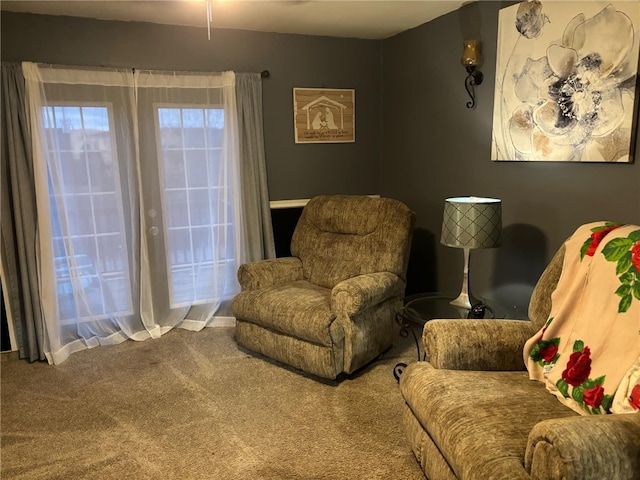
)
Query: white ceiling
[{"x": 370, "y": 19}]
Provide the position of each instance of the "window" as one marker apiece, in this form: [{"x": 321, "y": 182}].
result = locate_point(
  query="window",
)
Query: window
[
  {"x": 137, "y": 179},
  {"x": 89, "y": 248},
  {"x": 194, "y": 179}
]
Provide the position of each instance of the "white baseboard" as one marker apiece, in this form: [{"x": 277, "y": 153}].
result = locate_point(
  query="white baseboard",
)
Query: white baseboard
[{"x": 223, "y": 322}]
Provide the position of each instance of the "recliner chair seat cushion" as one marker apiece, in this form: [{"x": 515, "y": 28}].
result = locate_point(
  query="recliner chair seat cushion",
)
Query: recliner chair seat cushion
[
  {"x": 479, "y": 420},
  {"x": 300, "y": 309}
]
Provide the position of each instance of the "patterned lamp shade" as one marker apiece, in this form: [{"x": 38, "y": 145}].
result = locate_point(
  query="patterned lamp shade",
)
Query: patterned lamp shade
[{"x": 472, "y": 222}]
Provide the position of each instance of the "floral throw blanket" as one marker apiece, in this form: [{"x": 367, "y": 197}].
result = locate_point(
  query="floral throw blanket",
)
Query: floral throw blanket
[{"x": 588, "y": 352}]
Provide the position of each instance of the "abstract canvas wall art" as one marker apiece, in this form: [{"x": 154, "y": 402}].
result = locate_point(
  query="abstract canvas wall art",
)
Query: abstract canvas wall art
[{"x": 566, "y": 74}]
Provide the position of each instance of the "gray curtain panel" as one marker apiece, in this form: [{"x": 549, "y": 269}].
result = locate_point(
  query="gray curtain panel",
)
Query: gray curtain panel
[
  {"x": 18, "y": 217},
  {"x": 256, "y": 213}
]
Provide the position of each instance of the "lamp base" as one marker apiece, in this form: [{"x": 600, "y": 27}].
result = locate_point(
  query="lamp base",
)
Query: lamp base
[{"x": 464, "y": 300}]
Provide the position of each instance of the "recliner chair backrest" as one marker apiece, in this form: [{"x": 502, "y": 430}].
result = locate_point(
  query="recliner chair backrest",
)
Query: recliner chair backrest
[
  {"x": 341, "y": 236},
  {"x": 540, "y": 303}
]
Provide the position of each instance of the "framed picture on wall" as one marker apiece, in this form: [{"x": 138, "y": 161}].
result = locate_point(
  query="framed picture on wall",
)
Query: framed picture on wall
[
  {"x": 324, "y": 115},
  {"x": 566, "y": 74}
]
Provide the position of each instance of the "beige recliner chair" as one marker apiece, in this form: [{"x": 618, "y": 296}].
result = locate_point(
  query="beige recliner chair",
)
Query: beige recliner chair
[
  {"x": 472, "y": 413},
  {"x": 330, "y": 308}
]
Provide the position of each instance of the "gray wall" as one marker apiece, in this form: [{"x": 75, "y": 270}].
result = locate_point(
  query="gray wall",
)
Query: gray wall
[
  {"x": 294, "y": 171},
  {"x": 434, "y": 147},
  {"x": 416, "y": 140}
]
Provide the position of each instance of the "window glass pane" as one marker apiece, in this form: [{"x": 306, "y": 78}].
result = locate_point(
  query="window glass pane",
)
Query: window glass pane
[
  {"x": 73, "y": 168},
  {"x": 74, "y": 271},
  {"x": 196, "y": 168},
  {"x": 95, "y": 141},
  {"x": 222, "y": 242},
  {"x": 170, "y": 122},
  {"x": 114, "y": 280},
  {"x": 199, "y": 207},
  {"x": 204, "y": 281},
  {"x": 78, "y": 214},
  {"x": 215, "y": 118},
  {"x": 106, "y": 212},
  {"x": 95, "y": 118},
  {"x": 101, "y": 171},
  {"x": 87, "y": 218},
  {"x": 110, "y": 253},
  {"x": 169, "y": 118},
  {"x": 215, "y": 137},
  {"x": 217, "y": 213},
  {"x": 194, "y": 252},
  {"x": 182, "y": 286},
  {"x": 194, "y": 137},
  {"x": 179, "y": 241},
  {"x": 67, "y": 118},
  {"x": 82, "y": 262},
  {"x": 83, "y": 277},
  {"x": 193, "y": 120},
  {"x": 215, "y": 167},
  {"x": 202, "y": 244},
  {"x": 58, "y": 247},
  {"x": 177, "y": 208},
  {"x": 174, "y": 168},
  {"x": 59, "y": 140}
]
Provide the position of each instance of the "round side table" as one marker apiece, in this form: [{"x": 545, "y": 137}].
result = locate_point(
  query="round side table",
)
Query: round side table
[{"x": 422, "y": 307}]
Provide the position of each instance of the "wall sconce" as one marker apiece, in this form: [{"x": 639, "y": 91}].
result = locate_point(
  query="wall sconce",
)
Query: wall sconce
[{"x": 471, "y": 58}]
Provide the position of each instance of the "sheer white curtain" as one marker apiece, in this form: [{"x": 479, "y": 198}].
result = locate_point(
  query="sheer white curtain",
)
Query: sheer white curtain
[{"x": 137, "y": 188}]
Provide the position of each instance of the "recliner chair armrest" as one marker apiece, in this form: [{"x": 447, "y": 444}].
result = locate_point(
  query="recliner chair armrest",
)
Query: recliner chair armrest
[
  {"x": 267, "y": 273},
  {"x": 476, "y": 344},
  {"x": 586, "y": 448},
  {"x": 356, "y": 294}
]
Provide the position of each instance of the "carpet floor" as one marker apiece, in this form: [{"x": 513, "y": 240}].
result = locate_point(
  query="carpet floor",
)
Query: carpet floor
[{"x": 196, "y": 406}]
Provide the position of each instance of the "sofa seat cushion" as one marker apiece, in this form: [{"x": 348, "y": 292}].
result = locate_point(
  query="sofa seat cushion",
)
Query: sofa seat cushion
[
  {"x": 482, "y": 427},
  {"x": 300, "y": 309}
]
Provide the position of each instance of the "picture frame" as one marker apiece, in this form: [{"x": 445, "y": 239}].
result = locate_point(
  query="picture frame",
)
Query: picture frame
[
  {"x": 566, "y": 82},
  {"x": 324, "y": 115}
]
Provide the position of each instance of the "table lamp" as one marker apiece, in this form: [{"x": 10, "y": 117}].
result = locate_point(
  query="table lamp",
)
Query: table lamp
[{"x": 471, "y": 222}]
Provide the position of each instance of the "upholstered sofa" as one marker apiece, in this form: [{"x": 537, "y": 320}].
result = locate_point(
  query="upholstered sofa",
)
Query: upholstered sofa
[
  {"x": 329, "y": 308},
  {"x": 472, "y": 412}
]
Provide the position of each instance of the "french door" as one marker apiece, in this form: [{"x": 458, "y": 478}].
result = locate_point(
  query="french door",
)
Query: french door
[{"x": 138, "y": 185}]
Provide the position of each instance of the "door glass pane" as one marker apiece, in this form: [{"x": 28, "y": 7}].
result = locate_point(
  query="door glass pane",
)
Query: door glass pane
[
  {"x": 195, "y": 202},
  {"x": 87, "y": 219}
]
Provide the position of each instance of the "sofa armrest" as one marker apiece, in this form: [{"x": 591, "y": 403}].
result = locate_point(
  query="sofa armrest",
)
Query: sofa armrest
[
  {"x": 587, "y": 448},
  {"x": 476, "y": 344},
  {"x": 267, "y": 273},
  {"x": 356, "y": 294}
]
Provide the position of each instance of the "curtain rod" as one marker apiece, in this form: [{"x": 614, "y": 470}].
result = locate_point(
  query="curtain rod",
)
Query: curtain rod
[{"x": 263, "y": 73}]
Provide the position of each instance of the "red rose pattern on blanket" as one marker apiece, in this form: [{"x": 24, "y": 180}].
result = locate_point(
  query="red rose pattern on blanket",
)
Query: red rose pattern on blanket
[
  {"x": 588, "y": 352},
  {"x": 634, "y": 398}
]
